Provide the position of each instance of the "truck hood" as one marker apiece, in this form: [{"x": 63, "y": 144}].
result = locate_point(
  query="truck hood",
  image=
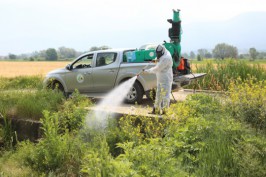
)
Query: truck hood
[{"x": 58, "y": 71}]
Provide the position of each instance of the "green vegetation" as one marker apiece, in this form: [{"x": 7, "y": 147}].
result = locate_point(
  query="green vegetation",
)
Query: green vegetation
[
  {"x": 221, "y": 73},
  {"x": 29, "y": 104},
  {"x": 198, "y": 137},
  {"x": 205, "y": 135},
  {"x": 51, "y": 54},
  {"x": 21, "y": 82}
]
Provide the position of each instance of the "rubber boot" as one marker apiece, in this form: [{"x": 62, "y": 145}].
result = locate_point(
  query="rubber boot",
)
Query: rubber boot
[
  {"x": 163, "y": 112},
  {"x": 154, "y": 111}
]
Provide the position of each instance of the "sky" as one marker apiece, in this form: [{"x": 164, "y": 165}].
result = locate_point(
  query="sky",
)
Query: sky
[{"x": 34, "y": 25}]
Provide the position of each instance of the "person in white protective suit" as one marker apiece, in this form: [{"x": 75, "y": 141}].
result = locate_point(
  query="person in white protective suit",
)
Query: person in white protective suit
[{"x": 164, "y": 73}]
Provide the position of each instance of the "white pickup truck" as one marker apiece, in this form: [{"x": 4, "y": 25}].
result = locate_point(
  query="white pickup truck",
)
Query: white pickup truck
[{"x": 96, "y": 73}]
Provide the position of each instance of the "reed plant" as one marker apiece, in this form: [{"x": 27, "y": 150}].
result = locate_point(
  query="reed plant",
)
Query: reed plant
[{"x": 221, "y": 73}]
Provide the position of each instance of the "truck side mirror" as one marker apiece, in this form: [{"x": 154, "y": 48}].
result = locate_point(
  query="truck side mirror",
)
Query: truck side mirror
[{"x": 69, "y": 67}]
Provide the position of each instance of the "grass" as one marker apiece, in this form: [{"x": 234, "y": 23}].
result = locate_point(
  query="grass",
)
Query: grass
[
  {"x": 21, "y": 82},
  {"x": 220, "y": 74},
  {"x": 29, "y": 104},
  {"x": 24, "y": 97}
]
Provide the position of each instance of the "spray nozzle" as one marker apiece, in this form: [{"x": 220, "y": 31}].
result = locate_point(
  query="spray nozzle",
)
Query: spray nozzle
[{"x": 143, "y": 69}]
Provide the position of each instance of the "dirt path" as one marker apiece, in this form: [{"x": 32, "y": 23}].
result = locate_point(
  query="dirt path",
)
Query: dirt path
[{"x": 144, "y": 108}]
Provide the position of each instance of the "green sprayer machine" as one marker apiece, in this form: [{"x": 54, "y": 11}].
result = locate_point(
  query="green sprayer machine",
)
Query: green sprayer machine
[{"x": 181, "y": 66}]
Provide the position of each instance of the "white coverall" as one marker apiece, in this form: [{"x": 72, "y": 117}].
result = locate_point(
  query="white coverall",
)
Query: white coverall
[{"x": 164, "y": 73}]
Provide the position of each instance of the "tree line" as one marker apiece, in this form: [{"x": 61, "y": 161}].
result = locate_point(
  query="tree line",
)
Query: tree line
[
  {"x": 220, "y": 51},
  {"x": 51, "y": 54}
]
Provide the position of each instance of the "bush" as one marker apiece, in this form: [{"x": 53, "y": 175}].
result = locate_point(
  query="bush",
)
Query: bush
[
  {"x": 55, "y": 152},
  {"x": 99, "y": 162},
  {"x": 248, "y": 102},
  {"x": 151, "y": 159},
  {"x": 72, "y": 113}
]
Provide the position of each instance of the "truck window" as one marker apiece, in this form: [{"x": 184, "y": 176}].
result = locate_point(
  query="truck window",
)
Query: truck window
[
  {"x": 84, "y": 62},
  {"x": 105, "y": 58}
]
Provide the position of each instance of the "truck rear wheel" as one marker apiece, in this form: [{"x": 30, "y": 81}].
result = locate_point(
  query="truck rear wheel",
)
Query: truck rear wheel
[
  {"x": 135, "y": 94},
  {"x": 151, "y": 94}
]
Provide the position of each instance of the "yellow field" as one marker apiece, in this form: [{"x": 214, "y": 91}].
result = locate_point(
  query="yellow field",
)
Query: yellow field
[
  {"x": 13, "y": 69},
  {"x": 16, "y": 68}
]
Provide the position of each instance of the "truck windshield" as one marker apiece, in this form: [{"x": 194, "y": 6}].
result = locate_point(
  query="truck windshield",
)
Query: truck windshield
[{"x": 84, "y": 62}]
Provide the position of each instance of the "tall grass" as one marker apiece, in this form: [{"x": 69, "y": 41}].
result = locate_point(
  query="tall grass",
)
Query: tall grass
[
  {"x": 221, "y": 73},
  {"x": 29, "y": 104},
  {"x": 21, "y": 82}
]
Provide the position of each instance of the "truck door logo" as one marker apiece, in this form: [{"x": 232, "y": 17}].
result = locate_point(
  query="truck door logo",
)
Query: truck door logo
[{"x": 80, "y": 78}]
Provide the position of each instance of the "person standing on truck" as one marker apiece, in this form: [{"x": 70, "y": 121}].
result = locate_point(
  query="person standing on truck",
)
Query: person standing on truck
[{"x": 164, "y": 74}]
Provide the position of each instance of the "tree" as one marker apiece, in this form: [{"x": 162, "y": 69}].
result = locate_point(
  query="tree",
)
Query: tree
[
  {"x": 225, "y": 51},
  {"x": 12, "y": 56},
  {"x": 66, "y": 52},
  {"x": 185, "y": 55},
  {"x": 104, "y": 47},
  {"x": 199, "y": 57},
  {"x": 94, "y": 48},
  {"x": 253, "y": 53},
  {"x": 192, "y": 55},
  {"x": 51, "y": 54},
  {"x": 208, "y": 55},
  {"x": 202, "y": 52}
]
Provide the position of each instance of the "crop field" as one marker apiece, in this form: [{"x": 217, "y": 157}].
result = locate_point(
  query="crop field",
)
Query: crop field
[
  {"x": 18, "y": 68},
  {"x": 24, "y": 68}
]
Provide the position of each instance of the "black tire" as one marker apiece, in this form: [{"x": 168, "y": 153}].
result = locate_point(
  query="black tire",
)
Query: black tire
[
  {"x": 57, "y": 86},
  {"x": 135, "y": 94},
  {"x": 151, "y": 94}
]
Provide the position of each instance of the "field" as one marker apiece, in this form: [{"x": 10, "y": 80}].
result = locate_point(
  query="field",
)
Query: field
[{"x": 19, "y": 68}]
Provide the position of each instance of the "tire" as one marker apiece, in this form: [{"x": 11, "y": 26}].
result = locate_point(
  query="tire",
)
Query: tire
[
  {"x": 151, "y": 94},
  {"x": 135, "y": 94},
  {"x": 57, "y": 86}
]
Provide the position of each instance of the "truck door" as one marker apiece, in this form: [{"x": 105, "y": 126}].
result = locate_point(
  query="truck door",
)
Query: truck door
[
  {"x": 80, "y": 75},
  {"x": 105, "y": 71}
]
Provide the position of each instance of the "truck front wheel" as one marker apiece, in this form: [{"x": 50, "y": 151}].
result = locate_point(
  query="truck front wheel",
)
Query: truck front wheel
[
  {"x": 135, "y": 94},
  {"x": 58, "y": 87}
]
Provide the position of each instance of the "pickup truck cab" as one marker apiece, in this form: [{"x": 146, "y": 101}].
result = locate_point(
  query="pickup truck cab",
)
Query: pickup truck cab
[{"x": 98, "y": 72}]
